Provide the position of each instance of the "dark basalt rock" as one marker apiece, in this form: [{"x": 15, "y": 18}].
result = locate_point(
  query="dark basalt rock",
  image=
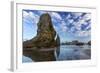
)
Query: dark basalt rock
[{"x": 43, "y": 45}]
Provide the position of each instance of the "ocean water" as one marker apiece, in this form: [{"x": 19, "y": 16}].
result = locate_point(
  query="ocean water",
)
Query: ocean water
[{"x": 68, "y": 52}]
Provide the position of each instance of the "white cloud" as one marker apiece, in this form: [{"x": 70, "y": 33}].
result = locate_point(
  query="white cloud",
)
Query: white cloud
[
  {"x": 78, "y": 24},
  {"x": 63, "y": 23},
  {"x": 70, "y": 20},
  {"x": 68, "y": 16},
  {"x": 30, "y": 17},
  {"x": 72, "y": 29},
  {"x": 63, "y": 26},
  {"x": 25, "y": 14},
  {"x": 87, "y": 16},
  {"x": 55, "y": 15},
  {"x": 82, "y": 33},
  {"x": 76, "y": 29},
  {"x": 42, "y": 12},
  {"x": 89, "y": 26}
]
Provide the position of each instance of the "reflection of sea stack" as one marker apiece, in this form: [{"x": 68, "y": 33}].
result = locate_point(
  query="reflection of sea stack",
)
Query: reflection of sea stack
[{"x": 46, "y": 35}]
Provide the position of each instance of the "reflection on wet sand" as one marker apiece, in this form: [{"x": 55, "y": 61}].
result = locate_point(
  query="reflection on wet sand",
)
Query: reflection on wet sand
[
  {"x": 37, "y": 55},
  {"x": 64, "y": 52}
]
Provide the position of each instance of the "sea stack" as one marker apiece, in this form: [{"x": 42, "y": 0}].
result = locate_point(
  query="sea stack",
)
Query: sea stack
[{"x": 46, "y": 36}]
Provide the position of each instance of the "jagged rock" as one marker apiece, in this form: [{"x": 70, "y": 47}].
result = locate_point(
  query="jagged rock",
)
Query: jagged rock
[{"x": 46, "y": 35}]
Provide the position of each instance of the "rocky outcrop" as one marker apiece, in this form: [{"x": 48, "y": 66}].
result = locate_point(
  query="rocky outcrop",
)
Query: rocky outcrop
[
  {"x": 43, "y": 46},
  {"x": 46, "y": 35}
]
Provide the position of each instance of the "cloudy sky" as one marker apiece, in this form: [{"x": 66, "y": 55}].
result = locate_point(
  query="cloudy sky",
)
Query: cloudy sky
[{"x": 69, "y": 25}]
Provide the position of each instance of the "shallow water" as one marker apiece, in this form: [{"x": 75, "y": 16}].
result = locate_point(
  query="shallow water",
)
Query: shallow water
[{"x": 67, "y": 52}]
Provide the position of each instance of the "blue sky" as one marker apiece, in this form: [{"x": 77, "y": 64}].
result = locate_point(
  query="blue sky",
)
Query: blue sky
[{"x": 69, "y": 25}]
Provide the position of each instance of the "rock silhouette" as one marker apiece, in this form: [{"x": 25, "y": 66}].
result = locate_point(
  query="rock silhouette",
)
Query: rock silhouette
[{"x": 46, "y": 38}]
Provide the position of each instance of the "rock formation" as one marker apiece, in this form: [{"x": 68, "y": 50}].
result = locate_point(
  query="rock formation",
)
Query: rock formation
[
  {"x": 42, "y": 46},
  {"x": 46, "y": 35}
]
